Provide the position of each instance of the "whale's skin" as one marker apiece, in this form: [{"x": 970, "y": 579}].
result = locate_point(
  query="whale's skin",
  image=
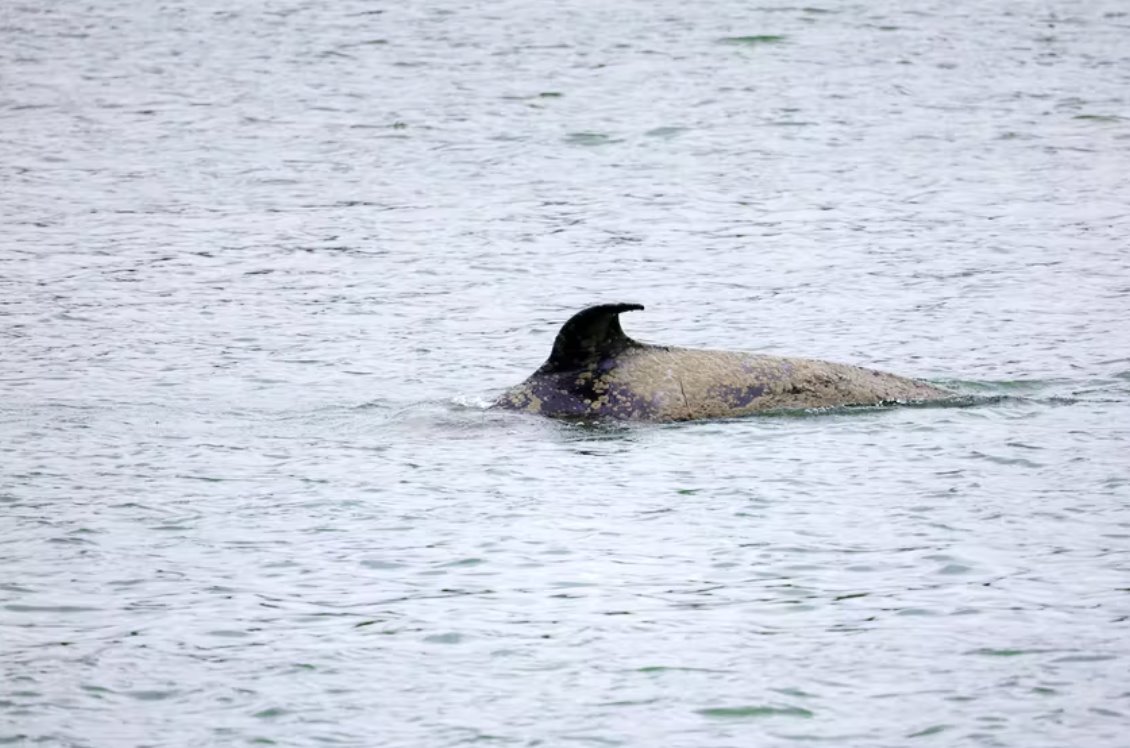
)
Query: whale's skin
[
  {"x": 680, "y": 384},
  {"x": 619, "y": 378}
]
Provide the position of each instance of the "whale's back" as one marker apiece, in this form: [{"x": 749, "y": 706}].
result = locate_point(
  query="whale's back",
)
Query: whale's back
[
  {"x": 684, "y": 384},
  {"x": 596, "y": 371}
]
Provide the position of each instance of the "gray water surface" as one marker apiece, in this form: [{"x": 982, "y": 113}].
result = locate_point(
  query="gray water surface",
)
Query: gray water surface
[{"x": 263, "y": 266}]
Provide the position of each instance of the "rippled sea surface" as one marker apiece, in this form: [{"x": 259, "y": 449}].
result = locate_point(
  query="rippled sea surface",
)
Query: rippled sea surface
[{"x": 262, "y": 265}]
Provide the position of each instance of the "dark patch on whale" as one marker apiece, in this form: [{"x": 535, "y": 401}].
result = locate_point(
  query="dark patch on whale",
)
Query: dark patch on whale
[{"x": 596, "y": 371}]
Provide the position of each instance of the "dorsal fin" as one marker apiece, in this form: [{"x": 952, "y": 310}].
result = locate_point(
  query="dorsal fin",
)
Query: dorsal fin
[{"x": 589, "y": 336}]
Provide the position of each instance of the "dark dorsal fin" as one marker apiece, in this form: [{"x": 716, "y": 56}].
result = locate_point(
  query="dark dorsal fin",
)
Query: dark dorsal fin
[{"x": 589, "y": 336}]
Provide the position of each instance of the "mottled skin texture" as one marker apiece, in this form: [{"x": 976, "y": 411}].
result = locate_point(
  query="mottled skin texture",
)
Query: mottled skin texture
[{"x": 598, "y": 372}]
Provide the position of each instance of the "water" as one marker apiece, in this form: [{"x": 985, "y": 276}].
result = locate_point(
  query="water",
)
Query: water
[{"x": 262, "y": 267}]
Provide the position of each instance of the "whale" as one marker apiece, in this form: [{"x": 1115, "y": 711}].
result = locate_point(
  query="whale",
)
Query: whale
[{"x": 595, "y": 371}]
